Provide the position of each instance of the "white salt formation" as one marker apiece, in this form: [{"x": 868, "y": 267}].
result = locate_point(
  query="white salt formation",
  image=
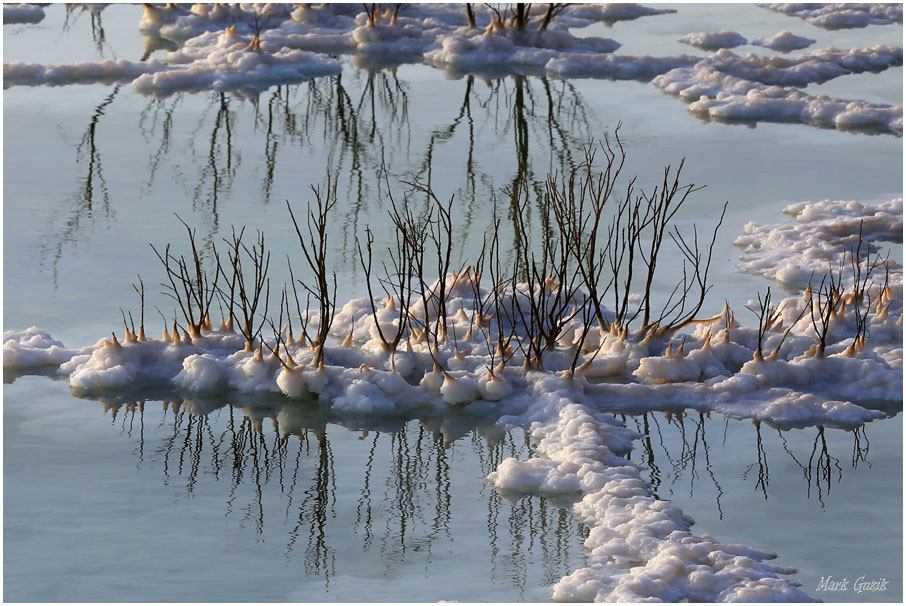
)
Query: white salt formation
[
  {"x": 842, "y": 16},
  {"x": 792, "y": 252},
  {"x": 784, "y": 42},
  {"x": 31, "y": 348},
  {"x": 714, "y": 40},
  {"x": 227, "y": 61},
  {"x": 180, "y": 22},
  {"x": 731, "y": 88},
  {"x": 579, "y": 15},
  {"x": 492, "y": 49},
  {"x": 222, "y": 61},
  {"x": 616, "y": 67}
]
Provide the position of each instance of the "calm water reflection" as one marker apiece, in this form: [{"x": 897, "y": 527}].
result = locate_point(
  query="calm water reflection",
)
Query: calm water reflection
[
  {"x": 676, "y": 451},
  {"x": 398, "y": 495},
  {"x": 359, "y": 121},
  {"x": 284, "y": 472}
]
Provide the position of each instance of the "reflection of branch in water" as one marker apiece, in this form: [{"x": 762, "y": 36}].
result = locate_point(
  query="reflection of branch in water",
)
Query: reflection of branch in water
[
  {"x": 655, "y": 477},
  {"x": 97, "y": 30},
  {"x": 290, "y": 494},
  {"x": 210, "y": 441},
  {"x": 522, "y": 178},
  {"x": 270, "y": 145},
  {"x": 519, "y": 512},
  {"x": 167, "y": 446},
  {"x": 678, "y": 464},
  {"x": 162, "y": 115},
  {"x": 822, "y": 467},
  {"x": 786, "y": 448},
  {"x": 720, "y": 492},
  {"x": 817, "y": 471},
  {"x": 95, "y": 168},
  {"x": 687, "y": 451},
  {"x": 363, "y": 513},
  {"x": 328, "y": 106},
  {"x": 693, "y": 455},
  {"x": 383, "y": 134},
  {"x": 495, "y": 456},
  {"x": 512, "y": 112},
  {"x": 494, "y": 504},
  {"x": 762, "y": 462},
  {"x": 409, "y": 470},
  {"x": 442, "y": 497},
  {"x": 674, "y": 465},
  {"x": 393, "y": 98},
  {"x": 860, "y": 451},
  {"x": 131, "y": 409},
  {"x": 688, "y": 457},
  {"x": 98, "y": 36},
  {"x": 87, "y": 205},
  {"x": 320, "y": 558},
  {"x": 441, "y": 135},
  {"x": 537, "y": 525},
  {"x": 220, "y": 166}
]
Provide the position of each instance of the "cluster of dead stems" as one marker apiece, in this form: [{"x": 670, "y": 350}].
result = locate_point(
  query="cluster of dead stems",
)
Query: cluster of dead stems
[
  {"x": 828, "y": 301},
  {"x": 596, "y": 241},
  {"x": 517, "y": 16}
]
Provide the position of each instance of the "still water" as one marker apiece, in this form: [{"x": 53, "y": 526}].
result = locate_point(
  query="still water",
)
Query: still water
[
  {"x": 264, "y": 501},
  {"x": 208, "y": 501}
]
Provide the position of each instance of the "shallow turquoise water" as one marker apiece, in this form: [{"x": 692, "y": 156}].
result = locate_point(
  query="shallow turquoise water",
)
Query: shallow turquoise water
[{"x": 98, "y": 510}]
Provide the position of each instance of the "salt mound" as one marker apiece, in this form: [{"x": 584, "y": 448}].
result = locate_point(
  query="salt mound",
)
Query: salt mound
[
  {"x": 714, "y": 40},
  {"x": 784, "y": 42}
]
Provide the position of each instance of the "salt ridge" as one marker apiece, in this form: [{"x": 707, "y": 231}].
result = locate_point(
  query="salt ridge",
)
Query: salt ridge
[{"x": 639, "y": 548}]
